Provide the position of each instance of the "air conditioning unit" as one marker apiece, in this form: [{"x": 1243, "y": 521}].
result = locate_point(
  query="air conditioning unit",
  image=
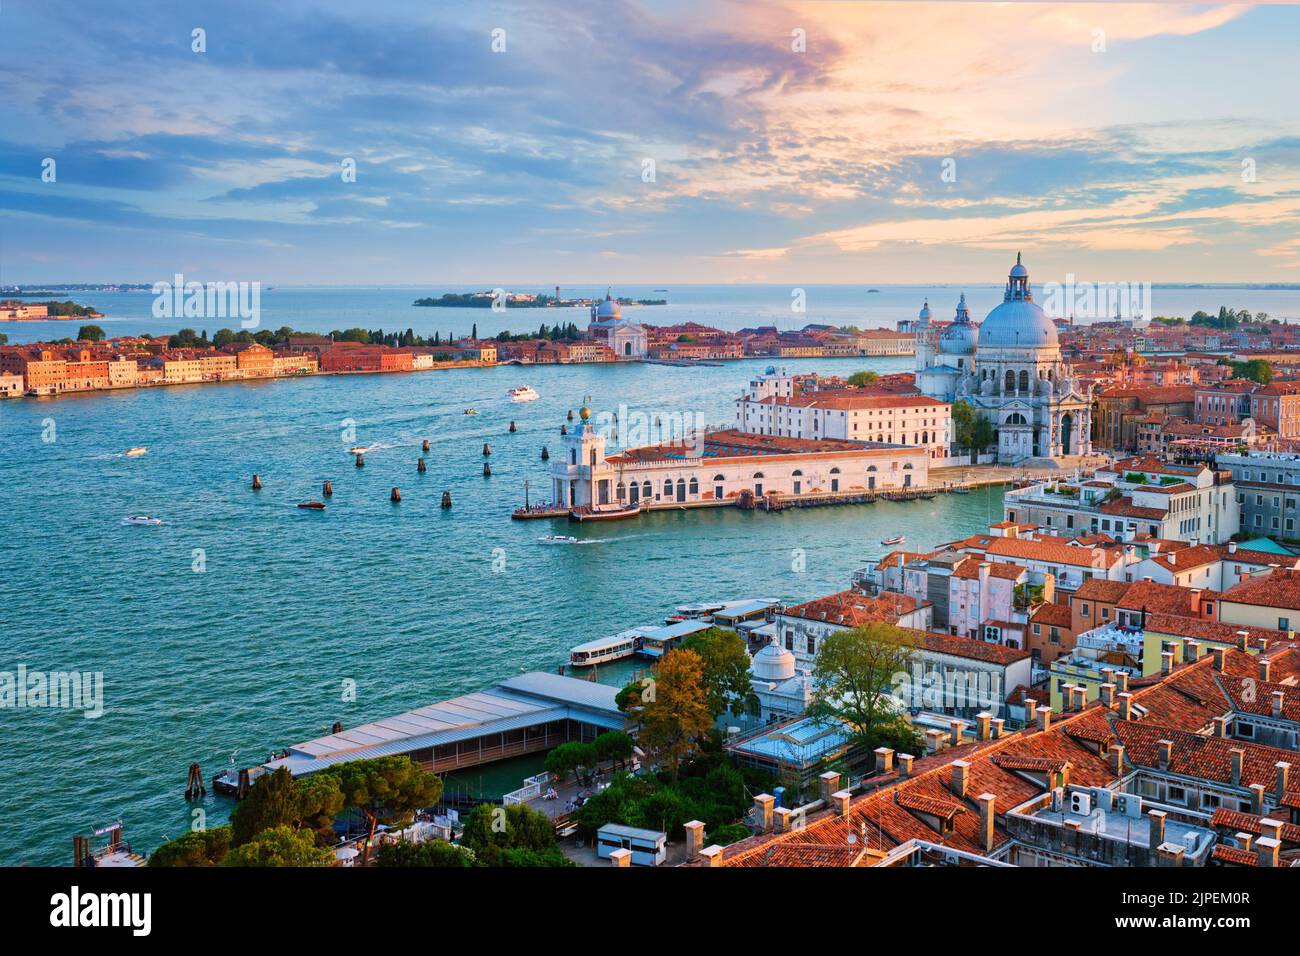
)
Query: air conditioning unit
[{"x": 1080, "y": 802}]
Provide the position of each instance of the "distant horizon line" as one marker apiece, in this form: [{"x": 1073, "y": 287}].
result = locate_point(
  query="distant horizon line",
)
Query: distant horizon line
[{"x": 1165, "y": 284}]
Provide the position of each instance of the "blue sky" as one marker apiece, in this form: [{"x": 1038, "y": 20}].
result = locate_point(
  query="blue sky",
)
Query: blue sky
[{"x": 1111, "y": 141}]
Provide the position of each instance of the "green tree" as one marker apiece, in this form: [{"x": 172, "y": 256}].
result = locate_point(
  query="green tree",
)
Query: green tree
[
  {"x": 90, "y": 333},
  {"x": 279, "y": 846},
  {"x": 385, "y": 790},
  {"x": 1254, "y": 370},
  {"x": 854, "y": 673},
  {"x": 970, "y": 429},
  {"x": 862, "y": 379},
  {"x": 613, "y": 745},
  {"x": 511, "y": 836},
  {"x": 677, "y": 713},
  {"x": 196, "y": 848},
  {"x": 570, "y": 758},
  {"x": 404, "y": 853},
  {"x": 725, "y": 670},
  {"x": 4, "y": 339},
  {"x": 272, "y": 801}
]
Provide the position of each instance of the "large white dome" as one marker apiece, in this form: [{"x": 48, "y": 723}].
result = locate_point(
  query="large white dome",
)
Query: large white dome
[
  {"x": 772, "y": 663},
  {"x": 609, "y": 309},
  {"x": 1018, "y": 323}
]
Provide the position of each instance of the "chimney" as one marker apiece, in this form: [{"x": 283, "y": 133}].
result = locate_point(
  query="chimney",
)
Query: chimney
[
  {"x": 1166, "y": 752},
  {"x": 1044, "y": 715},
  {"x": 986, "y": 801},
  {"x": 1243, "y": 640},
  {"x": 1268, "y": 850},
  {"x": 1116, "y": 754},
  {"x": 1157, "y": 818},
  {"x": 1166, "y": 661},
  {"x": 960, "y": 774},
  {"x": 1279, "y": 698},
  {"x": 1265, "y": 669},
  {"x": 712, "y": 855},
  {"x": 694, "y": 839},
  {"x": 933, "y": 740},
  {"x": 1171, "y": 854},
  {"x": 1245, "y": 840},
  {"x": 1218, "y": 653},
  {"x": 830, "y": 782},
  {"x": 1078, "y": 697},
  {"x": 763, "y": 804},
  {"x": 884, "y": 760},
  {"x": 997, "y": 727},
  {"x": 1283, "y": 775},
  {"x": 954, "y": 733},
  {"x": 1220, "y": 726},
  {"x": 1108, "y": 694},
  {"x": 1191, "y": 650},
  {"x": 783, "y": 815},
  {"x": 1237, "y": 755},
  {"x": 982, "y": 721},
  {"x": 1121, "y": 681},
  {"x": 1257, "y": 799},
  {"x": 1232, "y": 547},
  {"x": 1126, "y": 706},
  {"x": 905, "y": 765},
  {"x": 842, "y": 799},
  {"x": 1270, "y": 828}
]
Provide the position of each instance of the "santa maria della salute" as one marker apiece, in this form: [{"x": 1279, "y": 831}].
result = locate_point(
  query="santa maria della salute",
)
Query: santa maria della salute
[{"x": 1009, "y": 369}]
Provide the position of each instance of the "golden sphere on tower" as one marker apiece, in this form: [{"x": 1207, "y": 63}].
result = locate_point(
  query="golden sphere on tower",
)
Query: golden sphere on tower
[{"x": 584, "y": 412}]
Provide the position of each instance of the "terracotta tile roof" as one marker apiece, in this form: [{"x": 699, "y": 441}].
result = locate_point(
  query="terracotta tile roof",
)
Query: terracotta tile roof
[
  {"x": 1157, "y": 598},
  {"x": 1050, "y": 551},
  {"x": 912, "y": 800},
  {"x": 969, "y": 648},
  {"x": 1125, "y": 508},
  {"x": 1199, "y": 629},
  {"x": 970, "y": 570},
  {"x": 1206, "y": 554},
  {"x": 891, "y": 559},
  {"x": 851, "y": 609},
  {"x": 1280, "y": 588},
  {"x": 1235, "y": 855},
  {"x": 1054, "y": 615},
  {"x": 1096, "y": 589},
  {"x": 1249, "y": 823},
  {"x": 1193, "y": 755},
  {"x": 1250, "y": 695},
  {"x": 1291, "y": 799},
  {"x": 1039, "y": 764}
]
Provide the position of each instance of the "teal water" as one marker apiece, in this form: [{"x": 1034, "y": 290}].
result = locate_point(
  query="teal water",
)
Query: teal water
[{"x": 252, "y": 653}]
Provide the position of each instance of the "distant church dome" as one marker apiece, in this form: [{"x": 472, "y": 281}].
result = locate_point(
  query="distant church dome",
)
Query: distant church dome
[
  {"x": 772, "y": 663},
  {"x": 924, "y": 314},
  {"x": 609, "y": 308},
  {"x": 961, "y": 337},
  {"x": 1018, "y": 323}
]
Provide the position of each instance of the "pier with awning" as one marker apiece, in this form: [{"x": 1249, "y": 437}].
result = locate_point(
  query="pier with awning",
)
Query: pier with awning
[{"x": 530, "y": 713}]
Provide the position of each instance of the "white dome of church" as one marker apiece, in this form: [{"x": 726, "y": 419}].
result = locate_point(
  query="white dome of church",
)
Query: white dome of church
[
  {"x": 1018, "y": 323},
  {"x": 609, "y": 308},
  {"x": 961, "y": 337},
  {"x": 772, "y": 663},
  {"x": 924, "y": 314}
]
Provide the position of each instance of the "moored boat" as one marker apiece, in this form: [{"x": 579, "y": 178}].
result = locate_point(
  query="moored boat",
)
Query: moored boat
[
  {"x": 587, "y": 513},
  {"x": 606, "y": 649}
]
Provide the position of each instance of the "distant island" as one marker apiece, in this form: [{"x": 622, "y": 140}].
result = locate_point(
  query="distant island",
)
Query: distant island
[
  {"x": 517, "y": 300},
  {"x": 16, "y": 311}
]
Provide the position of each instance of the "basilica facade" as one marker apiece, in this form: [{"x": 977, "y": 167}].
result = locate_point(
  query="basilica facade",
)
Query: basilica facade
[{"x": 1009, "y": 369}]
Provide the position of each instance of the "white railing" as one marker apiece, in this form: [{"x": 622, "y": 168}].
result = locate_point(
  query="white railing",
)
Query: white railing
[{"x": 532, "y": 788}]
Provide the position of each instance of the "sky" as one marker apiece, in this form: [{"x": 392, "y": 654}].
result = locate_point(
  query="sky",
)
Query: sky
[{"x": 660, "y": 141}]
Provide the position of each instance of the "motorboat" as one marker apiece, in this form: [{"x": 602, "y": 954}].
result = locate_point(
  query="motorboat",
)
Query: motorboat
[
  {"x": 557, "y": 539},
  {"x": 141, "y": 520},
  {"x": 471, "y": 411},
  {"x": 896, "y": 539},
  {"x": 135, "y": 452},
  {"x": 312, "y": 505},
  {"x": 524, "y": 393}
]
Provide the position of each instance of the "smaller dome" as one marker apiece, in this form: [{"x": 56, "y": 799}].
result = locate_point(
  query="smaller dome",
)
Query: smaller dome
[
  {"x": 1018, "y": 271},
  {"x": 772, "y": 663},
  {"x": 609, "y": 309},
  {"x": 924, "y": 314}
]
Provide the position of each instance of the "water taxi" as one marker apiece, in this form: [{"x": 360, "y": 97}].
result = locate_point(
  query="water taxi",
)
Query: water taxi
[
  {"x": 135, "y": 452},
  {"x": 606, "y": 649},
  {"x": 896, "y": 539},
  {"x": 141, "y": 520},
  {"x": 557, "y": 539},
  {"x": 524, "y": 393}
]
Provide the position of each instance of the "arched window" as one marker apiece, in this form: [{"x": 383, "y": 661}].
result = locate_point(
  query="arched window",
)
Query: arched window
[
  {"x": 797, "y": 473},
  {"x": 718, "y": 478},
  {"x": 593, "y": 458},
  {"x": 646, "y": 490},
  {"x": 627, "y": 348},
  {"x": 925, "y": 438},
  {"x": 835, "y": 479},
  {"x": 1024, "y": 380},
  {"x": 573, "y": 456},
  {"x": 620, "y": 490},
  {"x": 1016, "y": 419},
  {"x": 871, "y": 467},
  {"x": 907, "y": 467},
  {"x": 1011, "y": 381},
  {"x": 694, "y": 487}
]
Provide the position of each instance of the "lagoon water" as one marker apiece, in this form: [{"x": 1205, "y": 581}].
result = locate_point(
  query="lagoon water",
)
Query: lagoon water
[{"x": 234, "y": 627}]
